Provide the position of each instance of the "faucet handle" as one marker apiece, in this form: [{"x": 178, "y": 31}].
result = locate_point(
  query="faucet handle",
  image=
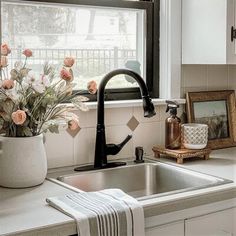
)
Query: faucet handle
[
  {"x": 126, "y": 140},
  {"x": 113, "y": 149}
]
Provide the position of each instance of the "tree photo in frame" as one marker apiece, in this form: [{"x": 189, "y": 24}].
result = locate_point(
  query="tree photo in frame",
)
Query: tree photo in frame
[{"x": 217, "y": 110}]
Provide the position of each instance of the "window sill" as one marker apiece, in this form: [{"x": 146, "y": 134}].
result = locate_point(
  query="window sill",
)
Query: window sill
[{"x": 132, "y": 103}]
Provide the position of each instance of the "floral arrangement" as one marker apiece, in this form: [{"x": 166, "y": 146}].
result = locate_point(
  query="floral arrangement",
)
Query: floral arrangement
[{"x": 33, "y": 104}]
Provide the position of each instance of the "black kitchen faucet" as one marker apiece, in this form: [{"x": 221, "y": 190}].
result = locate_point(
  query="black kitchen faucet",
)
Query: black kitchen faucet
[{"x": 102, "y": 149}]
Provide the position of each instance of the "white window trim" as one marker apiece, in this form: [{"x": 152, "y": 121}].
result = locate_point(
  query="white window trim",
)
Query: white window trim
[
  {"x": 129, "y": 103},
  {"x": 132, "y": 103},
  {"x": 170, "y": 48}
]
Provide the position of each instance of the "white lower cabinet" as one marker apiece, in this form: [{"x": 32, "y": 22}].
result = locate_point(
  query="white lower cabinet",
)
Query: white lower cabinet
[
  {"x": 171, "y": 229},
  {"x": 221, "y": 223}
]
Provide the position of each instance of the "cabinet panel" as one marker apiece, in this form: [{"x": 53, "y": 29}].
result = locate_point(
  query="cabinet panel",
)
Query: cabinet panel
[
  {"x": 216, "y": 224},
  {"x": 172, "y": 229},
  {"x": 206, "y": 32}
]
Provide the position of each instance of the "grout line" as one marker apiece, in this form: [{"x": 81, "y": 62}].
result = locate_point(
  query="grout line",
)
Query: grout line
[
  {"x": 228, "y": 80},
  {"x": 207, "y": 77}
]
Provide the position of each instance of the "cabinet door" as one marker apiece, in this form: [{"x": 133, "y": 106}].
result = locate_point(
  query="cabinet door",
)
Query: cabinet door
[
  {"x": 206, "y": 32},
  {"x": 172, "y": 229},
  {"x": 216, "y": 224}
]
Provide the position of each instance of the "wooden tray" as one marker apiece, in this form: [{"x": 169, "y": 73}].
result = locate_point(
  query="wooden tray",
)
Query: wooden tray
[{"x": 181, "y": 154}]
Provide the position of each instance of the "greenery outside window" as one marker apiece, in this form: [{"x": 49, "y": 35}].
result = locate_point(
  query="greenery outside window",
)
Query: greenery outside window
[{"x": 101, "y": 35}]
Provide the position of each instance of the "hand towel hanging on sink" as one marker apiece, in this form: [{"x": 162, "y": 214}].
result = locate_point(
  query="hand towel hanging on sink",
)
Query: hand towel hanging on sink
[{"x": 109, "y": 212}]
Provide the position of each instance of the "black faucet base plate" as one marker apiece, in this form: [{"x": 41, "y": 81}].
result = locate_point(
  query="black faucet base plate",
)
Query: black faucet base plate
[
  {"x": 139, "y": 161},
  {"x": 92, "y": 167}
]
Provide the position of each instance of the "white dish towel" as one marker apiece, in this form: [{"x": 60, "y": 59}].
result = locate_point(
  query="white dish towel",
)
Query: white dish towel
[{"x": 109, "y": 212}]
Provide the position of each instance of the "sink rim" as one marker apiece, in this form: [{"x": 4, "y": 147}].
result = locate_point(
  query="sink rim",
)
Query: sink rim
[{"x": 218, "y": 181}]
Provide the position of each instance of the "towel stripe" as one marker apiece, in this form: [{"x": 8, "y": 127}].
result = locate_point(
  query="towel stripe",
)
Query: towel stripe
[
  {"x": 87, "y": 206},
  {"x": 113, "y": 216},
  {"x": 103, "y": 222},
  {"x": 123, "y": 216},
  {"x": 130, "y": 211}
]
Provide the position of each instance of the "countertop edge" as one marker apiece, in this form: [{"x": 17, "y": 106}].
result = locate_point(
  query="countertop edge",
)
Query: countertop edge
[{"x": 187, "y": 202}]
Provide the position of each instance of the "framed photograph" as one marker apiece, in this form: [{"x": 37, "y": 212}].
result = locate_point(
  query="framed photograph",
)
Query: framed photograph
[{"x": 217, "y": 110}]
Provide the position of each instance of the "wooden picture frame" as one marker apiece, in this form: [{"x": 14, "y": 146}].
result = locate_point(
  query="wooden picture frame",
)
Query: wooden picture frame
[{"x": 217, "y": 109}]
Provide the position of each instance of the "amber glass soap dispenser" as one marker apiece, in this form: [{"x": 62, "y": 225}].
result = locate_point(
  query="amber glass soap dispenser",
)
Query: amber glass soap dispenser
[{"x": 172, "y": 126}]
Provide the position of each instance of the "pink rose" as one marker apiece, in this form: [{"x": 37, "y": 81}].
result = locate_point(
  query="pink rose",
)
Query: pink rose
[
  {"x": 3, "y": 62},
  {"x": 5, "y": 50},
  {"x": 69, "y": 61},
  {"x": 73, "y": 124},
  {"x": 7, "y": 84},
  {"x": 92, "y": 87},
  {"x": 18, "y": 117},
  {"x": 27, "y": 53},
  {"x": 65, "y": 74}
]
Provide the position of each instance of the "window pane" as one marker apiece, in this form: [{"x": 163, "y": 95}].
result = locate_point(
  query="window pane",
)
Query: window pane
[{"x": 100, "y": 39}]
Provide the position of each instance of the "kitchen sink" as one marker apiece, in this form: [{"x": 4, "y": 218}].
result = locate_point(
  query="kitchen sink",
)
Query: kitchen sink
[{"x": 143, "y": 180}]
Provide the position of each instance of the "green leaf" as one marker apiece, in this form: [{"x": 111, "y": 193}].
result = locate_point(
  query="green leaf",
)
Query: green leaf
[
  {"x": 1, "y": 123},
  {"x": 27, "y": 132},
  {"x": 48, "y": 100},
  {"x": 81, "y": 99},
  {"x": 78, "y": 102},
  {"x": 5, "y": 116},
  {"x": 61, "y": 86},
  {"x": 54, "y": 128},
  {"x": 81, "y": 106},
  {"x": 8, "y": 106},
  {"x": 58, "y": 111},
  {"x": 24, "y": 72},
  {"x": 14, "y": 74},
  {"x": 48, "y": 70}
]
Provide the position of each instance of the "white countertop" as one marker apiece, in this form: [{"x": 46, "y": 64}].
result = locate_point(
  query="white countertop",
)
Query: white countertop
[
  {"x": 222, "y": 163},
  {"x": 25, "y": 210},
  {"x": 22, "y": 210}
]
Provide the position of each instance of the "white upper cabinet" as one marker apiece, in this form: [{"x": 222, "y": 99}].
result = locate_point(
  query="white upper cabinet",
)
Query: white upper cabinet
[{"x": 206, "y": 32}]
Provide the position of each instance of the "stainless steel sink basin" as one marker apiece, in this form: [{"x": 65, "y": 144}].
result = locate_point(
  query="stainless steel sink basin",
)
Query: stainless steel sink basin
[{"x": 143, "y": 180}]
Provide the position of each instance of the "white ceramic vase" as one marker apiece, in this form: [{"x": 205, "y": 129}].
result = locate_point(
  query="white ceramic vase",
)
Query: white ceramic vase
[{"x": 23, "y": 161}]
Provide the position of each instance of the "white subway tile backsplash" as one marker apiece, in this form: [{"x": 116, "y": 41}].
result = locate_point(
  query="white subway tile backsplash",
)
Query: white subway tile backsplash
[
  {"x": 194, "y": 89},
  {"x": 232, "y": 76},
  {"x": 118, "y": 116},
  {"x": 163, "y": 113},
  {"x": 90, "y": 146},
  {"x": 162, "y": 132},
  {"x": 87, "y": 119},
  {"x": 147, "y": 135},
  {"x": 138, "y": 114},
  {"x": 217, "y": 77},
  {"x": 194, "y": 76},
  {"x": 84, "y": 144}
]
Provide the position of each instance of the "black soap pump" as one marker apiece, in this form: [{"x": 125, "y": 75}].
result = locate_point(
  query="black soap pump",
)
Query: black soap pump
[{"x": 172, "y": 126}]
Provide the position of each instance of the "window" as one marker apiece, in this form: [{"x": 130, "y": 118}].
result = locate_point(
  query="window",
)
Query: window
[{"x": 100, "y": 35}]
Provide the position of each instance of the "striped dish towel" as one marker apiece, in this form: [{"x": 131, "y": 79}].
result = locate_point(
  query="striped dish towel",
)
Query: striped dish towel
[{"x": 109, "y": 212}]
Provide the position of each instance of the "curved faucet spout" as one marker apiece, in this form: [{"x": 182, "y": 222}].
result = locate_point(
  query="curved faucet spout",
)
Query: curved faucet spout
[{"x": 148, "y": 107}]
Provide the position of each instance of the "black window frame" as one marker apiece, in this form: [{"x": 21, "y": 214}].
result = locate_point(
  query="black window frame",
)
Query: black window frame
[{"x": 152, "y": 8}]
